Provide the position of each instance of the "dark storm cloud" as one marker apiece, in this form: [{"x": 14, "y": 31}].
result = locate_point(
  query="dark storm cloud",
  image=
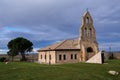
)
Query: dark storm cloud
[{"x": 54, "y": 20}]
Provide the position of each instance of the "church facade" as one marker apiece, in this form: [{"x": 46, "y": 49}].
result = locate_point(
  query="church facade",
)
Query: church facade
[{"x": 72, "y": 50}]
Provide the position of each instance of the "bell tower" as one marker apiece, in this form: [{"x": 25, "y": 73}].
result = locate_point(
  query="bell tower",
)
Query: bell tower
[{"x": 87, "y": 38}]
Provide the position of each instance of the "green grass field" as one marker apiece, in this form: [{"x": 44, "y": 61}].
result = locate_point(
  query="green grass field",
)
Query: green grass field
[{"x": 76, "y": 71}]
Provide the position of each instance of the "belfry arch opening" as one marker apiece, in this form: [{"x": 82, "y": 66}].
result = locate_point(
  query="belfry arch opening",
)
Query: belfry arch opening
[
  {"x": 90, "y": 33},
  {"x": 89, "y": 50},
  {"x": 87, "y": 19},
  {"x": 85, "y": 32}
]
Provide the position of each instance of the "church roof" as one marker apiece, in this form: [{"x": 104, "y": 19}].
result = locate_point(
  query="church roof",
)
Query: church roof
[{"x": 63, "y": 45}]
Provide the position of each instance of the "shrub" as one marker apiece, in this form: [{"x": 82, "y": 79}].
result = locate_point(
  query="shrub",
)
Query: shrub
[{"x": 2, "y": 59}]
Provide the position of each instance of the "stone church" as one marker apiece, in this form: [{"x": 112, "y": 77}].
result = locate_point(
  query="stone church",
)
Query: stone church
[{"x": 81, "y": 49}]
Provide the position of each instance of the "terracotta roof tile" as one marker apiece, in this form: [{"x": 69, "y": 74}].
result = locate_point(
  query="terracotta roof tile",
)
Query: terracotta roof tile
[{"x": 66, "y": 44}]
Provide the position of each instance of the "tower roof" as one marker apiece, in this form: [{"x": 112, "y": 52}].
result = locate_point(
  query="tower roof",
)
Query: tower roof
[
  {"x": 86, "y": 12},
  {"x": 87, "y": 16}
]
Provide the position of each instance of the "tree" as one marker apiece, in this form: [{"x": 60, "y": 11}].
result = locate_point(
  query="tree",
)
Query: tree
[
  {"x": 12, "y": 53},
  {"x": 111, "y": 55},
  {"x": 2, "y": 59},
  {"x": 20, "y": 45}
]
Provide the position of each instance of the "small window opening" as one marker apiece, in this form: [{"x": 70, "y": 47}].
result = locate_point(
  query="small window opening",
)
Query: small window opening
[
  {"x": 75, "y": 56},
  {"x": 45, "y": 56},
  {"x": 50, "y": 57},
  {"x": 60, "y": 57},
  {"x": 71, "y": 56},
  {"x": 64, "y": 57},
  {"x": 41, "y": 56}
]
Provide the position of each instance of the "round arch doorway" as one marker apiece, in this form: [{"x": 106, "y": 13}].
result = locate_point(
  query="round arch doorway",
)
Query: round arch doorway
[
  {"x": 89, "y": 50},
  {"x": 90, "y": 53}
]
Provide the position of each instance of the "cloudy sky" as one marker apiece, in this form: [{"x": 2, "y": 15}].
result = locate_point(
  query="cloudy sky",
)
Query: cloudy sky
[{"x": 45, "y": 22}]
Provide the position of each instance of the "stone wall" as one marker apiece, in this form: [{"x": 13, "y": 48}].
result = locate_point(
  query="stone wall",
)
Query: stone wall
[
  {"x": 116, "y": 55},
  {"x": 46, "y": 57},
  {"x": 68, "y": 55}
]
